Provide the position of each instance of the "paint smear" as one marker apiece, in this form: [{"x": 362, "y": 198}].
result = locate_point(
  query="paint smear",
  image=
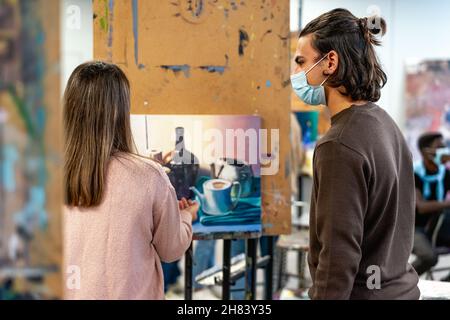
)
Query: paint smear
[
  {"x": 268, "y": 84},
  {"x": 104, "y": 25},
  {"x": 10, "y": 156},
  {"x": 287, "y": 167},
  {"x": 29, "y": 104},
  {"x": 178, "y": 68},
  {"x": 215, "y": 69},
  {"x": 135, "y": 8},
  {"x": 110, "y": 17},
  {"x": 265, "y": 34},
  {"x": 34, "y": 208},
  {"x": 24, "y": 113},
  {"x": 285, "y": 40},
  {"x": 196, "y": 8},
  {"x": 243, "y": 41}
]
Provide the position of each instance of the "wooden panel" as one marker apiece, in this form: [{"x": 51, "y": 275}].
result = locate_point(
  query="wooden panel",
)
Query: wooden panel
[{"x": 207, "y": 57}]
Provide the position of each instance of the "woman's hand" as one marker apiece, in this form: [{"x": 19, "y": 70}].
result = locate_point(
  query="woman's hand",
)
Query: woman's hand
[{"x": 190, "y": 206}]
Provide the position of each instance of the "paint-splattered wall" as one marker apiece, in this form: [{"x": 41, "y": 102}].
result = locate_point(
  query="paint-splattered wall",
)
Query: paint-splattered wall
[
  {"x": 207, "y": 57},
  {"x": 30, "y": 140}
]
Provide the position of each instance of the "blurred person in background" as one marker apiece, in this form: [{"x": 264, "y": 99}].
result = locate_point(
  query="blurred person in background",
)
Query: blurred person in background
[{"x": 432, "y": 182}]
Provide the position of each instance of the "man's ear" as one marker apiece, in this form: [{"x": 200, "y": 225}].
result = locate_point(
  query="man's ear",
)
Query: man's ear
[{"x": 332, "y": 63}]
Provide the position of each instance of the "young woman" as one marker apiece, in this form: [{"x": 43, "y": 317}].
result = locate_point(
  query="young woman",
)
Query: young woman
[
  {"x": 362, "y": 206},
  {"x": 122, "y": 217}
]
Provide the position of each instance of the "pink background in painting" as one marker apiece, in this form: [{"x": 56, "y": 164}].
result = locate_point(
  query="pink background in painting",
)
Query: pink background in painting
[{"x": 158, "y": 132}]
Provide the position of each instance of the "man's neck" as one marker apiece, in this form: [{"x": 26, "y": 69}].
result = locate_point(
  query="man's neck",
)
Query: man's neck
[
  {"x": 431, "y": 167},
  {"x": 337, "y": 102}
]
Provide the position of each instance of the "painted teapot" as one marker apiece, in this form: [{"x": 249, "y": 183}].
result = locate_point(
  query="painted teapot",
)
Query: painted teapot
[{"x": 234, "y": 170}]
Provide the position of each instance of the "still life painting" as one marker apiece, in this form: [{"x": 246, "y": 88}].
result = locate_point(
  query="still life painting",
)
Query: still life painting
[{"x": 211, "y": 159}]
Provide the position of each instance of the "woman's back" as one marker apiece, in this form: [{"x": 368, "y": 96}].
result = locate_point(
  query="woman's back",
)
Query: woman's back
[{"x": 117, "y": 246}]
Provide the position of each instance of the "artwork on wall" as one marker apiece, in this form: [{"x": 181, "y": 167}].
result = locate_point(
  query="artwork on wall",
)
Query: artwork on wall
[
  {"x": 427, "y": 100},
  {"x": 213, "y": 159},
  {"x": 9, "y": 36},
  {"x": 29, "y": 149}
]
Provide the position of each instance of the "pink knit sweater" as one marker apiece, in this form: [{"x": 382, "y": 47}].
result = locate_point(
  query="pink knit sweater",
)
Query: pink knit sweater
[{"x": 114, "y": 250}]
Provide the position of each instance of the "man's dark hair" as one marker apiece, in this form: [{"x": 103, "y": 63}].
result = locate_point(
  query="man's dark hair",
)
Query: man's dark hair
[
  {"x": 359, "y": 70},
  {"x": 427, "y": 139}
]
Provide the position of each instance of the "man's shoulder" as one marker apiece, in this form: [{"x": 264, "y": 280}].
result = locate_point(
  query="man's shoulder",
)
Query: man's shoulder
[{"x": 336, "y": 149}]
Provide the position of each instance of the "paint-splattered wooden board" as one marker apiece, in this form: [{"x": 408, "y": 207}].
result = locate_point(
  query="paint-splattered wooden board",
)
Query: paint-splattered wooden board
[
  {"x": 31, "y": 137},
  {"x": 208, "y": 57}
]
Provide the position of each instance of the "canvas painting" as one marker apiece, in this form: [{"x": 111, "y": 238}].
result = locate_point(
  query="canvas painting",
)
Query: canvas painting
[
  {"x": 212, "y": 159},
  {"x": 427, "y": 100},
  {"x": 30, "y": 158}
]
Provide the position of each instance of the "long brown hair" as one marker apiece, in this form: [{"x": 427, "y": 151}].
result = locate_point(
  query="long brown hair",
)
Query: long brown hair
[
  {"x": 97, "y": 125},
  {"x": 359, "y": 70}
]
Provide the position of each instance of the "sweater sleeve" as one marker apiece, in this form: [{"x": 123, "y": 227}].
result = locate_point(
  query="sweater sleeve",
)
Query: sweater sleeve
[
  {"x": 341, "y": 202},
  {"x": 172, "y": 228}
]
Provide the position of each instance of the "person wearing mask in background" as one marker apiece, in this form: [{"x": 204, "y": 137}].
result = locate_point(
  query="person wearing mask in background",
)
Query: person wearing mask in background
[
  {"x": 432, "y": 181},
  {"x": 362, "y": 203},
  {"x": 121, "y": 214}
]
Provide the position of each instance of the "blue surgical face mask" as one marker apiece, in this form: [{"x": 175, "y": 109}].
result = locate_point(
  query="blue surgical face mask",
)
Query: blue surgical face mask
[
  {"x": 440, "y": 152},
  {"x": 312, "y": 95}
]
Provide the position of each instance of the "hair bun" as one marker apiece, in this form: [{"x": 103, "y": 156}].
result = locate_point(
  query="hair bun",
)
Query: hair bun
[{"x": 371, "y": 27}]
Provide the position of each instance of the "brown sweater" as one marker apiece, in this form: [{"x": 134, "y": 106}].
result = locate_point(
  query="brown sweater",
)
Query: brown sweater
[{"x": 362, "y": 209}]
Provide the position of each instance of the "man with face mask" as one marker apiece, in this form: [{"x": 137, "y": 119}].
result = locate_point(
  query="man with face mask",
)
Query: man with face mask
[
  {"x": 362, "y": 201},
  {"x": 432, "y": 181}
]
